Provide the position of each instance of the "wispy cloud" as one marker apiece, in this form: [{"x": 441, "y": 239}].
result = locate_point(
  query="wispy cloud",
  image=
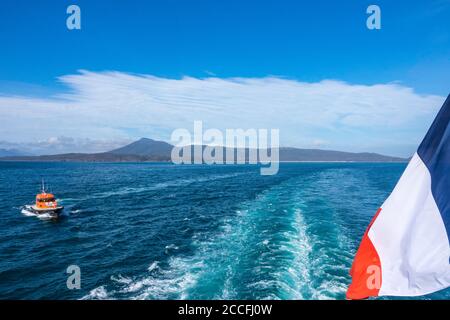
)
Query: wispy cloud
[{"x": 117, "y": 106}]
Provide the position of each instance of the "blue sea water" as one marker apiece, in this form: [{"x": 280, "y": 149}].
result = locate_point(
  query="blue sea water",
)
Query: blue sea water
[{"x": 162, "y": 231}]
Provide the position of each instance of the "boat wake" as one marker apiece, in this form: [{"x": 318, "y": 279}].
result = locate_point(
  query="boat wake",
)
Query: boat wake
[
  {"x": 287, "y": 243},
  {"x": 264, "y": 249}
]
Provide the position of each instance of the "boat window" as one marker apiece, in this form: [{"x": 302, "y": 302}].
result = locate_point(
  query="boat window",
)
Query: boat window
[{"x": 46, "y": 200}]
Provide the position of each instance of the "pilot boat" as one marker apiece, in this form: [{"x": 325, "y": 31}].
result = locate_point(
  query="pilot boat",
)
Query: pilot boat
[{"x": 46, "y": 205}]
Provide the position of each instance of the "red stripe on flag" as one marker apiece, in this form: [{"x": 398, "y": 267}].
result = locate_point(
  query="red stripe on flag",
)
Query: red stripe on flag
[{"x": 366, "y": 269}]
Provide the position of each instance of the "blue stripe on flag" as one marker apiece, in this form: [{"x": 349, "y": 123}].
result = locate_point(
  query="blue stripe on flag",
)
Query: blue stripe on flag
[{"x": 435, "y": 153}]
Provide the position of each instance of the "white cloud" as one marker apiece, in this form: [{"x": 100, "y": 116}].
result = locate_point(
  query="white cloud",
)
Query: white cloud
[{"x": 117, "y": 106}]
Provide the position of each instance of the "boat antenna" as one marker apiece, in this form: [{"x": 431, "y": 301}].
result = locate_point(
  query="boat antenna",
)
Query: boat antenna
[{"x": 43, "y": 186}]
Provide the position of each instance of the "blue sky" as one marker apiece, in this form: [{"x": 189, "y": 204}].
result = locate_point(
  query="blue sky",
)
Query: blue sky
[{"x": 302, "y": 42}]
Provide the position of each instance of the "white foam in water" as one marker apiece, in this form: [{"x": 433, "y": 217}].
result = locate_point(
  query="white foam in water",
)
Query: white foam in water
[
  {"x": 171, "y": 283},
  {"x": 98, "y": 293},
  {"x": 299, "y": 245},
  {"x": 153, "y": 266},
  {"x": 45, "y": 216},
  {"x": 121, "y": 279},
  {"x": 170, "y": 247},
  {"x": 330, "y": 260}
]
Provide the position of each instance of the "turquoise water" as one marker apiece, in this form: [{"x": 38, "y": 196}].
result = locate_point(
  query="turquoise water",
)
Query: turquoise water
[{"x": 160, "y": 231}]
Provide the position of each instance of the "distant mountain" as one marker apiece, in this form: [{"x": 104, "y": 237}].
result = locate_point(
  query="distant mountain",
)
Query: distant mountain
[
  {"x": 145, "y": 147},
  {"x": 152, "y": 150},
  {"x": 294, "y": 154}
]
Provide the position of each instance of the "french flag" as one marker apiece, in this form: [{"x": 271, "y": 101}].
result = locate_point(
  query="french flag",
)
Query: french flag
[{"x": 405, "y": 250}]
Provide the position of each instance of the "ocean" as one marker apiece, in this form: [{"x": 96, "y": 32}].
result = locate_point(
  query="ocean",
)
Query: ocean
[{"x": 163, "y": 231}]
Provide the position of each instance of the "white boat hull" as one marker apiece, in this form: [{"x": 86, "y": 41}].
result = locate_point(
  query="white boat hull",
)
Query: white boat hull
[{"x": 51, "y": 213}]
